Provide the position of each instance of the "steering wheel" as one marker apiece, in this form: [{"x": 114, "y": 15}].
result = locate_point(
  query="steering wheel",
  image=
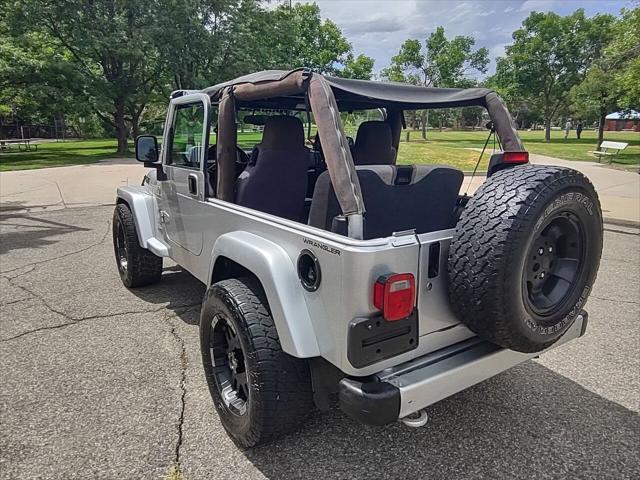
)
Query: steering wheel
[{"x": 242, "y": 158}]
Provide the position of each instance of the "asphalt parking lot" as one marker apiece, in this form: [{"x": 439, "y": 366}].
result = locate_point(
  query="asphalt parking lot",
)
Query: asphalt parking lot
[{"x": 102, "y": 382}]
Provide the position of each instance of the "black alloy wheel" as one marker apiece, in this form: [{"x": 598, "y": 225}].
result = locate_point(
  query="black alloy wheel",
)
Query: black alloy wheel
[
  {"x": 259, "y": 391},
  {"x": 229, "y": 365},
  {"x": 121, "y": 248},
  {"x": 554, "y": 262},
  {"x": 137, "y": 266}
]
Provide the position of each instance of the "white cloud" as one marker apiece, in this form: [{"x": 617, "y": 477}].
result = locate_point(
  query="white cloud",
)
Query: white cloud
[
  {"x": 541, "y": 5},
  {"x": 377, "y": 28}
]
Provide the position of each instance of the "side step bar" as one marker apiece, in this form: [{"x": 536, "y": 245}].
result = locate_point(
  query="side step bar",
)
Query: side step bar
[{"x": 397, "y": 392}]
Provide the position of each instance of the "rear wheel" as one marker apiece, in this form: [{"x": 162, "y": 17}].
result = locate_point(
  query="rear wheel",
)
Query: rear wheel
[
  {"x": 525, "y": 255},
  {"x": 137, "y": 266},
  {"x": 259, "y": 391}
]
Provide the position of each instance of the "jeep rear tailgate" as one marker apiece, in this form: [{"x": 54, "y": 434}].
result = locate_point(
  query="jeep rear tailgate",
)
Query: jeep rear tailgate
[{"x": 432, "y": 287}]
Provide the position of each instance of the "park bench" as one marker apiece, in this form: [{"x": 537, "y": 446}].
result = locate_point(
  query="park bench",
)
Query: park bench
[
  {"x": 606, "y": 146},
  {"x": 23, "y": 143}
]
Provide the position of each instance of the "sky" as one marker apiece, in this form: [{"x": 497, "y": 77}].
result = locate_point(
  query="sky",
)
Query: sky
[{"x": 377, "y": 28}]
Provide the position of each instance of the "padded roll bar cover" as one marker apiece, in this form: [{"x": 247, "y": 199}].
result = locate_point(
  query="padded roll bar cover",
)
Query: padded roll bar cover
[
  {"x": 292, "y": 84},
  {"x": 503, "y": 123},
  {"x": 336, "y": 151},
  {"x": 226, "y": 146}
]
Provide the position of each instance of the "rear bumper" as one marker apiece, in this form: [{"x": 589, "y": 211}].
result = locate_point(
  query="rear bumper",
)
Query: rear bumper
[{"x": 397, "y": 392}]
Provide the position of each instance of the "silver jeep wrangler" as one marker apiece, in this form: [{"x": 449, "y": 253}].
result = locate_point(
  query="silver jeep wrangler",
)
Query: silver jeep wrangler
[{"x": 333, "y": 272}]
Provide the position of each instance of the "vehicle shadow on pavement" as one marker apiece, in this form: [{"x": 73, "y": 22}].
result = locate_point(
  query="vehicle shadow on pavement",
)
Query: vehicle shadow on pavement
[
  {"x": 20, "y": 231},
  {"x": 180, "y": 289},
  {"x": 529, "y": 422}
]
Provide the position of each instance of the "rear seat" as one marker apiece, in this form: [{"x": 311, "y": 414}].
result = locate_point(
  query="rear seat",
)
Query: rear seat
[{"x": 396, "y": 198}]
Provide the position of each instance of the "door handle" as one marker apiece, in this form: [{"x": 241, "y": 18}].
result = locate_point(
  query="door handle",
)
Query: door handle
[{"x": 193, "y": 184}]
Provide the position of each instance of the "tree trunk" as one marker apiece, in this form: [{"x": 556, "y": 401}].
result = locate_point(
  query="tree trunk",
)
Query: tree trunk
[
  {"x": 135, "y": 128},
  {"x": 547, "y": 129},
  {"x": 135, "y": 125},
  {"x": 603, "y": 118},
  {"x": 424, "y": 118},
  {"x": 121, "y": 126}
]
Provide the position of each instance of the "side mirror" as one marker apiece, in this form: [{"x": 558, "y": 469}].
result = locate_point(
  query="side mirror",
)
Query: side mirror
[
  {"x": 147, "y": 149},
  {"x": 147, "y": 152}
]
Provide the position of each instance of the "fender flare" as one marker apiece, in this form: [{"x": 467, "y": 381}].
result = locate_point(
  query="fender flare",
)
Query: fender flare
[
  {"x": 276, "y": 272},
  {"x": 143, "y": 208}
]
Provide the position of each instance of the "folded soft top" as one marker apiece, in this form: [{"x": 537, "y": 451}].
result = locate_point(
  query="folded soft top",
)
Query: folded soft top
[{"x": 359, "y": 94}]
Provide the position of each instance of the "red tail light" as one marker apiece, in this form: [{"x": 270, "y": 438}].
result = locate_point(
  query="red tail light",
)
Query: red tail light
[
  {"x": 394, "y": 295},
  {"x": 515, "y": 157}
]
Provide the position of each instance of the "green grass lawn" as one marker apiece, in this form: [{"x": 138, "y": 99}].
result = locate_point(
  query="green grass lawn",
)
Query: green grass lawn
[
  {"x": 458, "y": 149},
  {"x": 58, "y": 154},
  {"x": 453, "y": 148}
]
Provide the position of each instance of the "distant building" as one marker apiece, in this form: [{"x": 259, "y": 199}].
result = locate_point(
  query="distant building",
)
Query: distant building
[{"x": 619, "y": 121}]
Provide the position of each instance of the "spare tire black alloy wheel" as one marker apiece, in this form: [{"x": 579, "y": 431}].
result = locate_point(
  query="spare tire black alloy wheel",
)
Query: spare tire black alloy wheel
[
  {"x": 553, "y": 265},
  {"x": 525, "y": 255}
]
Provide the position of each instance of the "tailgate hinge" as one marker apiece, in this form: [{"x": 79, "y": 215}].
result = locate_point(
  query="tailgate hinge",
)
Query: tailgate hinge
[{"x": 405, "y": 237}]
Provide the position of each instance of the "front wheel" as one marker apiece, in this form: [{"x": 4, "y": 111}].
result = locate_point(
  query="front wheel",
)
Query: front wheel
[
  {"x": 137, "y": 266},
  {"x": 259, "y": 391}
]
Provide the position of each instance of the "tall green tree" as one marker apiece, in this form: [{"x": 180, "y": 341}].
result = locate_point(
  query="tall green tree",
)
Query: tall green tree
[
  {"x": 360, "y": 67},
  {"x": 596, "y": 96},
  {"x": 111, "y": 47},
  {"x": 622, "y": 58},
  {"x": 209, "y": 41},
  {"x": 442, "y": 62},
  {"x": 296, "y": 36},
  {"x": 550, "y": 55},
  {"x": 311, "y": 41},
  {"x": 119, "y": 59}
]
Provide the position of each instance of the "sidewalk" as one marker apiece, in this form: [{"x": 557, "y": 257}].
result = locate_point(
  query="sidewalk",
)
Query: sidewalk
[
  {"x": 95, "y": 184},
  {"x": 619, "y": 191},
  {"x": 63, "y": 187}
]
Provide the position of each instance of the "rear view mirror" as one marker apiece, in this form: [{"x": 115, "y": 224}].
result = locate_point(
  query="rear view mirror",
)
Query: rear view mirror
[{"x": 147, "y": 149}]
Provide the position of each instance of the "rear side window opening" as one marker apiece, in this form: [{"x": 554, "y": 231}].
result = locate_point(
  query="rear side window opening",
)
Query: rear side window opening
[{"x": 404, "y": 160}]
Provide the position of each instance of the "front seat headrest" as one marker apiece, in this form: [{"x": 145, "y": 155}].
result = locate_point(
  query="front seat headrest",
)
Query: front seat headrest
[
  {"x": 374, "y": 144},
  {"x": 282, "y": 132}
]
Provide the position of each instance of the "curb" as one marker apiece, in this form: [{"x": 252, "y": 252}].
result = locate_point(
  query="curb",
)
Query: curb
[{"x": 621, "y": 222}]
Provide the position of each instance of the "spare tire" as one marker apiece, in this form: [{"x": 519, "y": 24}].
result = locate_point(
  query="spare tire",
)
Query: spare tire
[{"x": 525, "y": 255}]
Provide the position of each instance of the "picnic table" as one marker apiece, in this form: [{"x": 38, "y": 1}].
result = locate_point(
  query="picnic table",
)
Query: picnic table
[
  {"x": 609, "y": 149},
  {"x": 24, "y": 144}
]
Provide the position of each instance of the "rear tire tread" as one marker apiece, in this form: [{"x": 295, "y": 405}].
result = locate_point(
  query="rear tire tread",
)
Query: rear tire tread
[{"x": 282, "y": 382}]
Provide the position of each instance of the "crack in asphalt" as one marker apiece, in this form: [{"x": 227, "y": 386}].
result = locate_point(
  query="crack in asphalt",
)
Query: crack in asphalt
[
  {"x": 9, "y": 278},
  {"x": 183, "y": 383},
  {"x": 60, "y": 192},
  {"x": 75, "y": 321},
  {"x": 34, "y": 264},
  {"x": 633, "y": 302},
  {"x": 13, "y": 302},
  {"x": 72, "y": 320}
]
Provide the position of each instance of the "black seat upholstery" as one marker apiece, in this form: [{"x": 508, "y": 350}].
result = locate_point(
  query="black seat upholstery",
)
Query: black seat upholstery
[
  {"x": 396, "y": 198},
  {"x": 374, "y": 144},
  {"x": 275, "y": 180}
]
